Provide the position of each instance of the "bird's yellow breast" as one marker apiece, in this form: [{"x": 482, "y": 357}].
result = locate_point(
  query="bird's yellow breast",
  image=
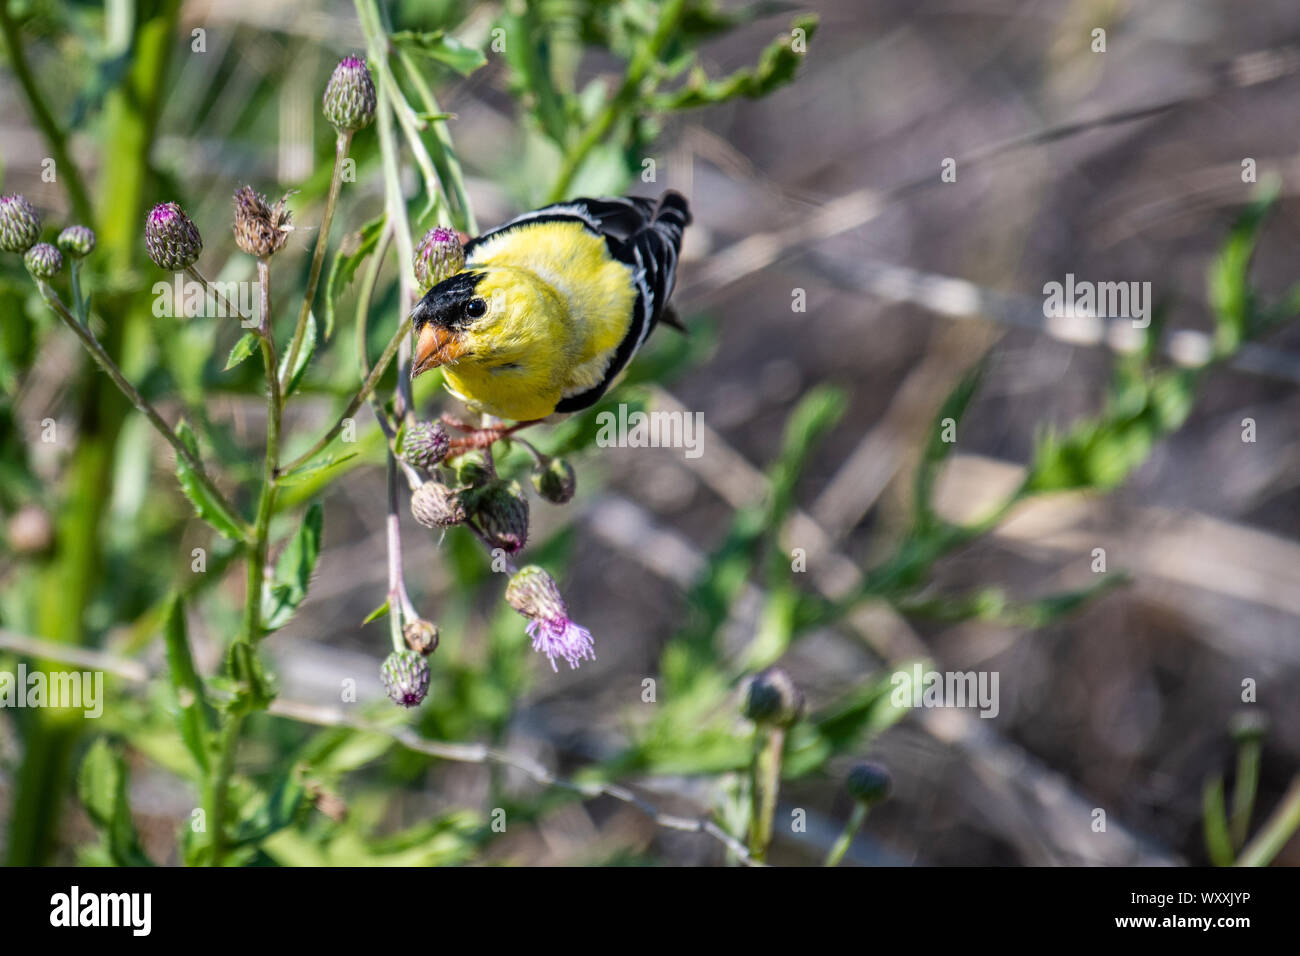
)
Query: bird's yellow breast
[{"x": 565, "y": 306}]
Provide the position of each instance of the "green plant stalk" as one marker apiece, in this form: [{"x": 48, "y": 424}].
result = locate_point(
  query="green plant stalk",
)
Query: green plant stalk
[
  {"x": 845, "y": 839},
  {"x": 622, "y": 100},
  {"x": 341, "y": 145},
  {"x": 1244, "y": 790},
  {"x": 765, "y": 782},
  {"x": 105, "y": 362},
  {"x": 1275, "y": 833},
  {"x": 217, "y": 294},
  {"x": 74, "y": 275},
  {"x": 55, "y": 137},
  {"x": 1218, "y": 845},
  {"x": 69, "y": 583}
]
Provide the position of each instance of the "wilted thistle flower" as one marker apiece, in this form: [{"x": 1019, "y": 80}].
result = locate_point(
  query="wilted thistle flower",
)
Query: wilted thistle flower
[
  {"x": 260, "y": 228},
  {"x": 868, "y": 783},
  {"x": 172, "y": 241},
  {"x": 43, "y": 261},
  {"x": 438, "y": 256},
  {"x": 421, "y": 636},
  {"x": 555, "y": 481},
  {"x": 349, "y": 102},
  {"x": 435, "y": 505},
  {"x": 533, "y": 593},
  {"x": 405, "y": 675},
  {"x": 772, "y": 698},
  {"x": 20, "y": 225},
  {"x": 77, "y": 241},
  {"x": 501, "y": 511},
  {"x": 424, "y": 444}
]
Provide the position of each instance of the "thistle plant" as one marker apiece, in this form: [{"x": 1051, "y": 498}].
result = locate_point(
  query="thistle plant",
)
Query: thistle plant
[{"x": 470, "y": 491}]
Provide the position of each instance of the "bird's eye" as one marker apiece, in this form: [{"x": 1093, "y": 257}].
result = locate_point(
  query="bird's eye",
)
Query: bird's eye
[{"x": 475, "y": 308}]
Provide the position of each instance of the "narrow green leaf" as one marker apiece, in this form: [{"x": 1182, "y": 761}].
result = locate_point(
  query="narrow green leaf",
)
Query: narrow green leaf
[
  {"x": 1218, "y": 844},
  {"x": 304, "y": 357},
  {"x": 936, "y": 449},
  {"x": 314, "y": 467},
  {"x": 376, "y": 614},
  {"x": 345, "y": 264},
  {"x": 206, "y": 507},
  {"x": 436, "y": 45},
  {"x": 102, "y": 787},
  {"x": 193, "y": 715},
  {"x": 245, "y": 347},
  {"x": 293, "y": 571}
]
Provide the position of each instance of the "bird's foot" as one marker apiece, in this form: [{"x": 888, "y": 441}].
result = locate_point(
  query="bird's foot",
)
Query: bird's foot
[{"x": 476, "y": 438}]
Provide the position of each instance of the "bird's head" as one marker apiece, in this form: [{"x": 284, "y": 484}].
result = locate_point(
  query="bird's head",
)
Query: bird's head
[{"x": 489, "y": 317}]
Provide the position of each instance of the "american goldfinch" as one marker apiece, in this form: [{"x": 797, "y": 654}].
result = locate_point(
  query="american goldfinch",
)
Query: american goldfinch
[{"x": 551, "y": 306}]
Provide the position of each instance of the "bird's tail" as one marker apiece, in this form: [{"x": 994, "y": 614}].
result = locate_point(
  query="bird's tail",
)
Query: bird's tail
[{"x": 671, "y": 216}]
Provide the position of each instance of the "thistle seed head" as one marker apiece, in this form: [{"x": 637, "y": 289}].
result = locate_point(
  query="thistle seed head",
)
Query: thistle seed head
[
  {"x": 772, "y": 698},
  {"x": 439, "y": 256},
  {"x": 43, "y": 261},
  {"x": 172, "y": 241},
  {"x": 77, "y": 241},
  {"x": 261, "y": 229},
  {"x": 20, "y": 225},
  {"x": 424, "y": 444},
  {"x": 421, "y": 636},
  {"x": 405, "y": 675},
  {"x": 555, "y": 481},
  {"x": 501, "y": 511},
  {"x": 869, "y": 783},
  {"x": 434, "y": 505},
  {"x": 349, "y": 102}
]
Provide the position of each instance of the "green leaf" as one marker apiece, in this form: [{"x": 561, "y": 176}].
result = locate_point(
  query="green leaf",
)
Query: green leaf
[
  {"x": 1230, "y": 293},
  {"x": 436, "y": 45},
  {"x": 194, "y": 718},
  {"x": 293, "y": 572},
  {"x": 304, "y": 357},
  {"x": 281, "y": 808},
  {"x": 245, "y": 347},
  {"x": 776, "y": 67},
  {"x": 205, "y": 506},
  {"x": 345, "y": 265},
  {"x": 102, "y": 787},
  {"x": 1218, "y": 844},
  {"x": 313, "y": 468},
  {"x": 376, "y": 614},
  {"x": 936, "y": 449}
]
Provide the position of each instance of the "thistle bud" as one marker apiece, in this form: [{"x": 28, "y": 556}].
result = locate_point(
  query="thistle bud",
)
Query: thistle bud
[
  {"x": 772, "y": 698},
  {"x": 473, "y": 470},
  {"x": 77, "y": 241},
  {"x": 424, "y": 444},
  {"x": 172, "y": 241},
  {"x": 261, "y": 229},
  {"x": 421, "y": 636},
  {"x": 435, "y": 505},
  {"x": 533, "y": 593},
  {"x": 405, "y": 675},
  {"x": 43, "y": 261},
  {"x": 869, "y": 783},
  {"x": 555, "y": 481},
  {"x": 349, "y": 102},
  {"x": 438, "y": 256},
  {"x": 20, "y": 226},
  {"x": 501, "y": 511}
]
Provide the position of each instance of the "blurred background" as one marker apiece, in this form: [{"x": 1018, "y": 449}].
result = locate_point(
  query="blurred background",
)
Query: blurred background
[{"x": 1124, "y": 165}]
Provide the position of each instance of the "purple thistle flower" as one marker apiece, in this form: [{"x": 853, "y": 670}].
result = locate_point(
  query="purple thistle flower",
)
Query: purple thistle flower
[
  {"x": 438, "y": 256},
  {"x": 533, "y": 593},
  {"x": 171, "y": 239}
]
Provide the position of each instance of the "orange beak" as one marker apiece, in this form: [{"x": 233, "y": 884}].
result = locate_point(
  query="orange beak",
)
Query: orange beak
[{"x": 435, "y": 346}]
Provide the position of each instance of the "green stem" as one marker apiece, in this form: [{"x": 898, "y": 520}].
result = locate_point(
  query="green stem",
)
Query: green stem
[
  {"x": 1244, "y": 790},
  {"x": 842, "y": 842},
  {"x": 765, "y": 782},
  {"x": 367, "y": 387},
  {"x": 105, "y": 362},
  {"x": 74, "y": 273},
  {"x": 341, "y": 145},
  {"x": 54, "y": 136},
  {"x": 1279, "y": 828},
  {"x": 218, "y": 786},
  {"x": 622, "y": 100},
  {"x": 220, "y": 297}
]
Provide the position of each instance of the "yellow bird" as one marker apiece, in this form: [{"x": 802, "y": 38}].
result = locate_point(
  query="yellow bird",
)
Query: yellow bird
[{"x": 551, "y": 306}]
